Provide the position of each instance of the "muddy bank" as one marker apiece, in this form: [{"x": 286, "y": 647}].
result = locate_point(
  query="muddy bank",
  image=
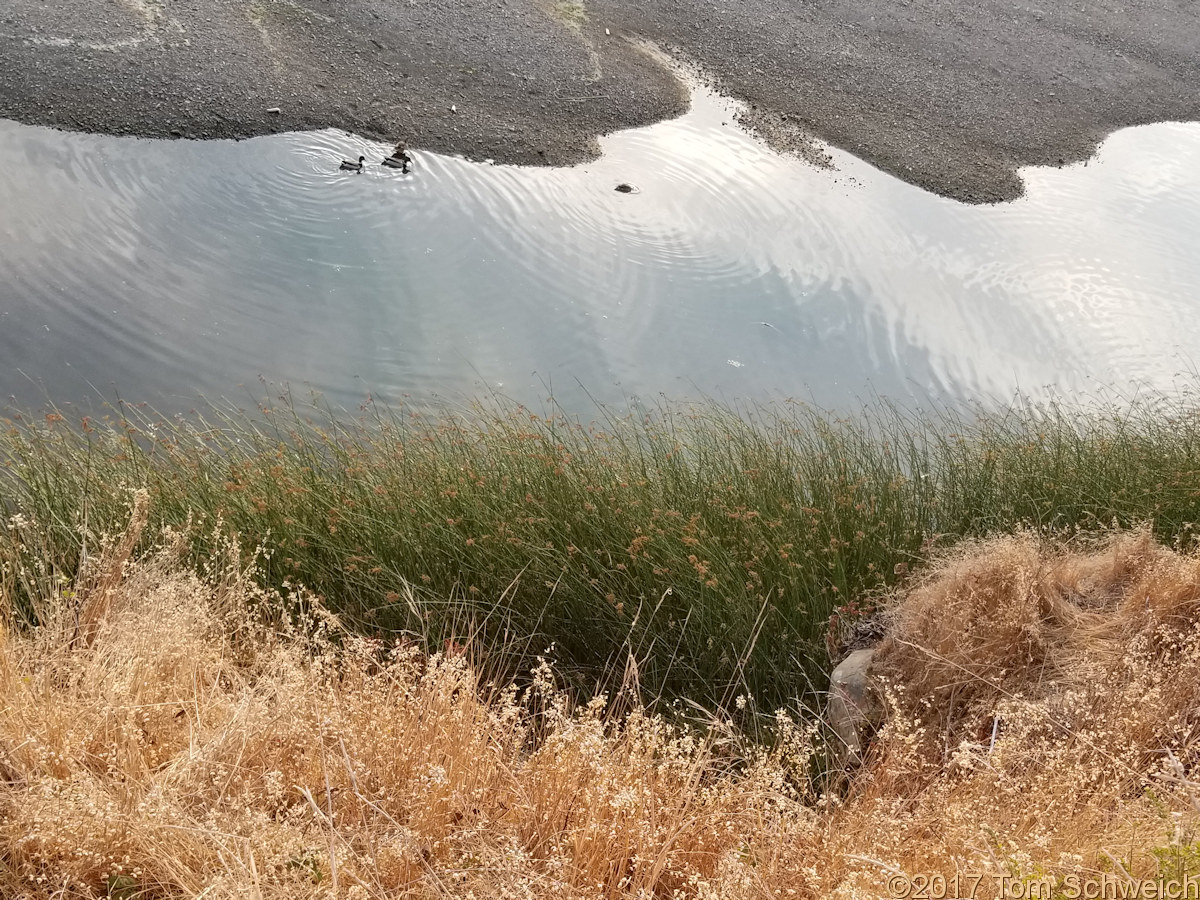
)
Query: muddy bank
[{"x": 945, "y": 95}]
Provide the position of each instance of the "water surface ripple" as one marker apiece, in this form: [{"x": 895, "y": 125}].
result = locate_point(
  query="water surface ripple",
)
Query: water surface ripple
[{"x": 168, "y": 270}]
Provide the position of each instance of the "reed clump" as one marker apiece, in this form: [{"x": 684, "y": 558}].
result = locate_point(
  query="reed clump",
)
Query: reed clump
[
  {"x": 169, "y": 731},
  {"x": 700, "y": 549}
]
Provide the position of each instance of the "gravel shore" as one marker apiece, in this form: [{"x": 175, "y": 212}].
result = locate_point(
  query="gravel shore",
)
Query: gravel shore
[{"x": 950, "y": 96}]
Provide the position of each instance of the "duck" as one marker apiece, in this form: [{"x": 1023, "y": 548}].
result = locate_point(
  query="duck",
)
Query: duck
[
  {"x": 348, "y": 166},
  {"x": 399, "y": 158}
]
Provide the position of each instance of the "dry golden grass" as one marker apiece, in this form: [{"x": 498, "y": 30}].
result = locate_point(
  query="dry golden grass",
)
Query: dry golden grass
[
  {"x": 168, "y": 734},
  {"x": 1045, "y": 710}
]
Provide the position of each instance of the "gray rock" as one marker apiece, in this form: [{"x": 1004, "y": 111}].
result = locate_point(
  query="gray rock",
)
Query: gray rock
[{"x": 855, "y": 707}]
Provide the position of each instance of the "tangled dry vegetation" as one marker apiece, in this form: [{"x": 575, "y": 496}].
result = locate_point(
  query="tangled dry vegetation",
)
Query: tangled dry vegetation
[{"x": 166, "y": 733}]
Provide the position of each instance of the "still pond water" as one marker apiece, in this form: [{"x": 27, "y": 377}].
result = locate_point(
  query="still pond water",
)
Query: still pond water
[{"x": 167, "y": 270}]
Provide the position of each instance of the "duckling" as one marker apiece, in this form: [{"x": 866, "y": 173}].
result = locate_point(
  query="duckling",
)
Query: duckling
[
  {"x": 399, "y": 158},
  {"x": 348, "y": 166}
]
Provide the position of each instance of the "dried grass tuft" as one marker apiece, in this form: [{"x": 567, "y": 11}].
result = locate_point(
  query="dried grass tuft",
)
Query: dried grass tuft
[
  {"x": 210, "y": 739},
  {"x": 1044, "y": 714}
]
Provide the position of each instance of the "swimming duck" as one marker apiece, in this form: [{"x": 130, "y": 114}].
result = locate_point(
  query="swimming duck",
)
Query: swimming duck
[
  {"x": 399, "y": 158},
  {"x": 348, "y": 166}
]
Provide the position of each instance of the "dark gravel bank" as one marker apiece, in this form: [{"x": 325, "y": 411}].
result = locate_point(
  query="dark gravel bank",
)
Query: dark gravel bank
[{"x": 948, "y": 95}]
